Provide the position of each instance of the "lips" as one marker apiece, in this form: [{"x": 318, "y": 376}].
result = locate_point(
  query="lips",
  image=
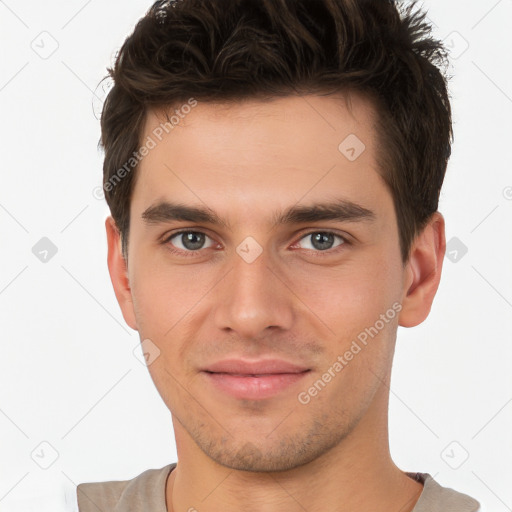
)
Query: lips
[
  {"x": 261, "y": 367},
  {"x": 253, "y": 380}
]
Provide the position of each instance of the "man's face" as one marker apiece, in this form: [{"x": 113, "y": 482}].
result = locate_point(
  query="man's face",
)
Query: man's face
[{"x": 247, "y": 290}]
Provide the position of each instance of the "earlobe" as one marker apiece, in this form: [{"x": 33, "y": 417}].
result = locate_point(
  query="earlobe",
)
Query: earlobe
[
  {"x": 118, "y": 272},
  {"x": 423, "y": 272}
]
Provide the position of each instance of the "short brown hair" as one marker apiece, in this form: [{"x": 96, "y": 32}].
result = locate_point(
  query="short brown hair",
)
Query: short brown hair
[{"x": 230, "y": 50}]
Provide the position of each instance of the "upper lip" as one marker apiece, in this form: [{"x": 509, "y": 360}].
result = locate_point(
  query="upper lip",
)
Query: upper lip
[{"x": 258, "y": 367}]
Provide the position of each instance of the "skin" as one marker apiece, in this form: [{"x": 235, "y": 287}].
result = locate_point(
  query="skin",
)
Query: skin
[{"x": 295, "y": 302}]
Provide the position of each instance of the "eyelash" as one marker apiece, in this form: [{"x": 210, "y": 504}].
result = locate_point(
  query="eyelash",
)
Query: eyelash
[{"x": 191, "y": 254}]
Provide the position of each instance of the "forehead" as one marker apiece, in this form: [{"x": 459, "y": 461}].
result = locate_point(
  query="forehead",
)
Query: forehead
[{"x": 290, "y": 149}]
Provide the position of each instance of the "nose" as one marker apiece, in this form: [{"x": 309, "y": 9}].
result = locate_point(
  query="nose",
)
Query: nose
[{"x": 254, "y": 298}]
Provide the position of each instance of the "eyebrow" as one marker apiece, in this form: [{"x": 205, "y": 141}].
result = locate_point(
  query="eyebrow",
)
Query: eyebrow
[{"x": 340, "y": 210}]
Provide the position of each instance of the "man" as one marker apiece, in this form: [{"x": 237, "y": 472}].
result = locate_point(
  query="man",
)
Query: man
[{"x": 273, "y": 170}]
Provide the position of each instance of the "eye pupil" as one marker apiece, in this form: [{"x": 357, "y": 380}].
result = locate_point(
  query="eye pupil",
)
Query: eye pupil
[
  {"x": 195, "y": 240},
  {"x": 192, "y": 240},
  {"x": 322, "y": 240}
]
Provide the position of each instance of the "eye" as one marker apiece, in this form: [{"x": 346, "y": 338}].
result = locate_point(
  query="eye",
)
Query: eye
[
  {"x": 189, "y": 241},
  {"x": 321, "y": 241},
  {"x": 193, "y": 241}
]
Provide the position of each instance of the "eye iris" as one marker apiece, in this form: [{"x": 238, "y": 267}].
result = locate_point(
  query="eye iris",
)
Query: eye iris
[
  {"x": 322, "y": 240},
  {"x": 192, "y": 240}
]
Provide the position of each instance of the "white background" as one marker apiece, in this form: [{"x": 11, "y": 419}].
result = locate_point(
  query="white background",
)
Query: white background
[{"x": 68, "y": 373}]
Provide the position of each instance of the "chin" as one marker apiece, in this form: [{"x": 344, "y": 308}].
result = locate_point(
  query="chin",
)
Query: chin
[{"x": 284, "y": 455}]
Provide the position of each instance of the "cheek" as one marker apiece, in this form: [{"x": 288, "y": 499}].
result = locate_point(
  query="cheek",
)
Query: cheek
[
  {"x": 359, "y": 305},
  {"x": 350, "y": 297},
  {"x": 166, "y": 296}
]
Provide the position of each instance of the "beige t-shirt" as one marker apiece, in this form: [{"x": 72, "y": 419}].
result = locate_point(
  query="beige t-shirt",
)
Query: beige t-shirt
[{"x": 146, "y": 493}]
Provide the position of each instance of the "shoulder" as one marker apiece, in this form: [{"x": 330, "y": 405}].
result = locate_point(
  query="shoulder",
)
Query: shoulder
[
  {"x": 436, "y": 498},
  {"x": 145, "y": 492}
]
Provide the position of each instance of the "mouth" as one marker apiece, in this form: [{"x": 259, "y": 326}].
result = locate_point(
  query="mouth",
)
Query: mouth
[{"x": 253, "y": 380}]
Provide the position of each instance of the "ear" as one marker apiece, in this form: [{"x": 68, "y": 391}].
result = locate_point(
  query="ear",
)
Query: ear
[
  {"x": 423, "y": 272},
  {"x": 118, "y": 272}
]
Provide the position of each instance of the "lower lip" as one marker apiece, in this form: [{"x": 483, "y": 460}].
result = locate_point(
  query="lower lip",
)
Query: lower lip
[{"x": 254, "y": 388}]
